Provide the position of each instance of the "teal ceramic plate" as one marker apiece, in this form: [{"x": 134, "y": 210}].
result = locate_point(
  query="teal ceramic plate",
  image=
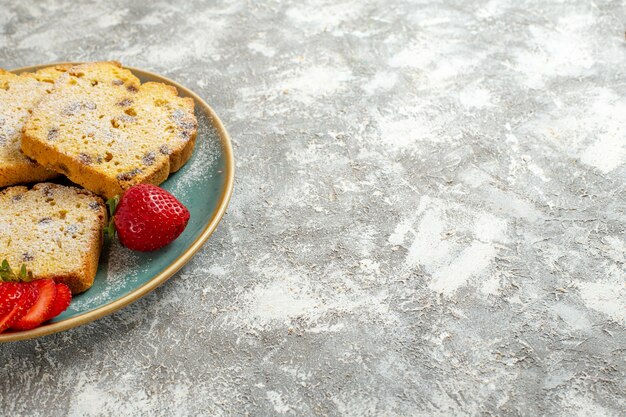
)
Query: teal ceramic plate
[{"x": 204, "y": 185}]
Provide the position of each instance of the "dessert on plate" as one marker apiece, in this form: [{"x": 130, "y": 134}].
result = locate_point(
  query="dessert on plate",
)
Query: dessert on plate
[
  {"x": 114, "y": 137},
  {"x": 106, "y": 131},
  {"x": 18, "y": 96}
]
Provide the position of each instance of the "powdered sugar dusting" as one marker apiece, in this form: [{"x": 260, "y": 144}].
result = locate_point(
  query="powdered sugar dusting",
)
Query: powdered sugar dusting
[
  {"x": 201, "y": 166},
  {"x": 120, "y": 267}
]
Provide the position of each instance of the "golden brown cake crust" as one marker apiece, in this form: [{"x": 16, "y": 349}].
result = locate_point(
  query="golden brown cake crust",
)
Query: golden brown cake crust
[{"x": 106, "y": 131}]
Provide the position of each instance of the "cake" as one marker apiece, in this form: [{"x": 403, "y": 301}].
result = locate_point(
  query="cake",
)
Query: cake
[
  {"x": 106, "y": 131},
  {"x": 18, "y": 95},
  {"x": 56, "y": 231}
]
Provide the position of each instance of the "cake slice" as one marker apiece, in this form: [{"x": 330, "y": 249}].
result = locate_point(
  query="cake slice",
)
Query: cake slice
[
  {"x": 18, "y": 96},
  {"x": 54, "y": 230},
  {"x": 106, "y": 131},
  {"x": 48, "y": 74}
]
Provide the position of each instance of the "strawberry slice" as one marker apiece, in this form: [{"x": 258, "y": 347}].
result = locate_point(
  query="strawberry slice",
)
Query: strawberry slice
[
  {"x": 38, "y": 313},
  {"x": 15, "y": 301},
  {"x": 61, "y": 302},
  {"x": 8, "y": 298}
]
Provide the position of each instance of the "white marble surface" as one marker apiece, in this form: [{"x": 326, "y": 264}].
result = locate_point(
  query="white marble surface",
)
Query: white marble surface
[{"x": 428, "y": 219}]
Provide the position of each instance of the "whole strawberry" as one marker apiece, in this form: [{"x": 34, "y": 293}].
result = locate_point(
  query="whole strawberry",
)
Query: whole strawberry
[{"x": 148, "y": 217}]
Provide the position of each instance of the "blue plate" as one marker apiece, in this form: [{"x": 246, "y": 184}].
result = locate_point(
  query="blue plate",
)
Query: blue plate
[{"x": 204, "y": 185}]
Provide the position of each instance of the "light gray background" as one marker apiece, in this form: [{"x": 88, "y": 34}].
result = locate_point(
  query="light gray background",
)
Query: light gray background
[{"x": 428, "y": 217}]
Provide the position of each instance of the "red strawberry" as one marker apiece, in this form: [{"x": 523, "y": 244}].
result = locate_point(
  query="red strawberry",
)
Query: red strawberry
[
  {"x": 148, "y": 218},
  {"x": 61, "y": 302},
  {"x": 8, "y": 298},
  {"x": 15, "y": 301},
  {"x": 39, "y": 312}
]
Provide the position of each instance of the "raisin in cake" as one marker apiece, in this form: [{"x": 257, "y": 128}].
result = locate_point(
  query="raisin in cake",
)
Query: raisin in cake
[
  {"x": 18, "y": 96},
  {"x": 56, "y": 231},
  {"x": 106, "y": 131}
]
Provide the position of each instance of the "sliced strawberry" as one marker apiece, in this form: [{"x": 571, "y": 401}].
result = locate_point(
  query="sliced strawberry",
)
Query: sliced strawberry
[
  {"x": 15, "y": 301},
  {"x": 38, "y": 313},
  {"x": 61, "y": 302},
  {"x": 8, "y": 298}
]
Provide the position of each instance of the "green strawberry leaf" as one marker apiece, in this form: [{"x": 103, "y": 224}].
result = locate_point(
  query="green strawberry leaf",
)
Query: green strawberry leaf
[
  {"x": 111, "y": 203},
  {"x": 7, "y": 274},
  {"x": 5, "y": 271},
  {"x": 109, "y": 230}
]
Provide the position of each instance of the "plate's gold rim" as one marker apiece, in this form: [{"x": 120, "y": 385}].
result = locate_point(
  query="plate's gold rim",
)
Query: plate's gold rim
[{"x": 178, "y": 262}]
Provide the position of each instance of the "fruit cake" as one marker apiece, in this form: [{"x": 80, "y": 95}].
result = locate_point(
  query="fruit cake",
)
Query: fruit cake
[
  {"x": 48, "y": 74},
  {"x": 56, "y": 231},
  {"x": 106, "y": 131},
  {"x": 18, "y": 95}
]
